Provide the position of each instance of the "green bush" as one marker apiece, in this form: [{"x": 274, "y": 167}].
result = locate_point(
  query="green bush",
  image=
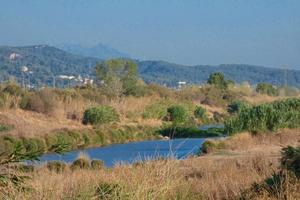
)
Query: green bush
[
  {"x": 56, "y": 166},
  {"x": 97, "y": 164},
  {"x": 200, "y": 113},
  {"x": 218, "y": 80},
  {"x": 265, "y": 88},
  {"x": 80, "y": 163},
  {"x": 268, "y": 116},
  {"x": 237, "y": 106},
  {"x": 100, "y": 115},
  {"x": 177, "y": 114}
]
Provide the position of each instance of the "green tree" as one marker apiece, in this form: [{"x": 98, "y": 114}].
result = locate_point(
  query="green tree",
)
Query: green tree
[
  {"x": 218, "y": 79},
  {"x": 266, "y": 88},
  {"x": 177, "y": 114},
  {"x": 118, "y": 77}
]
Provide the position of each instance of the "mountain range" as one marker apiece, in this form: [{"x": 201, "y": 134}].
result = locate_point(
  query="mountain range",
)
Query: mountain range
[
  {"x": 100, "y": 51},
  {"x": 46, "y": 62}
]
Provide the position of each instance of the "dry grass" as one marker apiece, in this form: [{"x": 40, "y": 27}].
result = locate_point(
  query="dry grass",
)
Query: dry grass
[
  {"x": 224, "y": 177},
  {"x": 221, "y": 175},
  {"x": 68, "y": 115},
  {"x": 269, "y": 143},
  {"x": 256, "y": 98},
  {"x": 157, "y": 180},
  {"x": 30, "y": 124}
]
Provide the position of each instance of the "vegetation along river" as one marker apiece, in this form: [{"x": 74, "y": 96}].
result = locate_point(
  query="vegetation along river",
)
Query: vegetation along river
[{"x": 136, "y": 151}]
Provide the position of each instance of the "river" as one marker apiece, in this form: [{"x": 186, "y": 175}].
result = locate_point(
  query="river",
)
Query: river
[{"x": 134, "y": 151}]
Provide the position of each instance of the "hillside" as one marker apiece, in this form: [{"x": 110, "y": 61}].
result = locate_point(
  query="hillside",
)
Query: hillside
[
  {"x": 45, "y": 61},
  {"x": 169, "y": 74},
  {"x": 100, "y": 51}
]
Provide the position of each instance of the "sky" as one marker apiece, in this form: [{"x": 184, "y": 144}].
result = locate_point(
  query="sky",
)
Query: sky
[{"x": 259, "y": 32}]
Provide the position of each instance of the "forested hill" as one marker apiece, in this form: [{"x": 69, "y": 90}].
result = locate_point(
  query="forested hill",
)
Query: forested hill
[
  {"x": 169, "y": 74},
  {"x": 45, "y": 62}
]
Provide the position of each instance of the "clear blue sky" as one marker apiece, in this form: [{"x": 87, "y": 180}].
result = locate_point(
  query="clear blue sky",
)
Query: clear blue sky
[{"x": 261, "y": 32}]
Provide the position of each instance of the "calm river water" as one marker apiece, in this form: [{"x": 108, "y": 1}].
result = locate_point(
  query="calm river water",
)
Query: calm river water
[{"x": 134, "y": 151}]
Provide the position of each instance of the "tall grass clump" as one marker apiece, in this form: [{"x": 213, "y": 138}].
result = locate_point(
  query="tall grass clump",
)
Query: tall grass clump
[
  {"x": 56, "y": 166},
  {"x": 82, "y": 162},
  {"x": 266, "y": 117},
  {"x": 157, "y": 110},
  {"x": 100, "y": 115}
]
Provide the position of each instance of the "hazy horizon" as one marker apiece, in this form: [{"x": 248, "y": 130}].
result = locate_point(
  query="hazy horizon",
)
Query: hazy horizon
[{"x": 264, "y": 33}]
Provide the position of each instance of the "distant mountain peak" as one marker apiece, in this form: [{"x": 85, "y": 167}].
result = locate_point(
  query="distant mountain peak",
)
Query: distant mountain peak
[{"x": 98, "y": 51}]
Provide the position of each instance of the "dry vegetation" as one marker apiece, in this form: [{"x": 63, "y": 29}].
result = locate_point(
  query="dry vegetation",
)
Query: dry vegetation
[{"x": 224, "y": 174}]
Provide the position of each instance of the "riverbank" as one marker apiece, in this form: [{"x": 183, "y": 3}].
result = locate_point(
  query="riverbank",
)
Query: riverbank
[
  {"x": 221, "y": 174},
  {"x": 79, "y": 139}
]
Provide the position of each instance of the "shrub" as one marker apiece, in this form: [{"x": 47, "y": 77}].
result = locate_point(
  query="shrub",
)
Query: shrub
[
  {"x": 177, "y": 114},
  {"x": 200, "y": 113},
  {"x": 216, "y": 96},
  {"x": 268, "y": 116},
  {"x": 82, "y": 162},
  {"x": 97, "y": 164},
  {"x": 13, "y": 89},
  {"x": 162, "y": 91},
  {"x": 33, "y": 145},
  {"x": 100, "y": 115},
  {"x": 210, "y": 146},
  {"x": 237, "y": 106},
  {"x": 218, "y": 79},
  {"x": 44, "y": 101},
  {"x": 265, "y": 88},
  {"x": 56, "y": 166},
  {"x": 291, "y": 159},
  {"x": 157, "y": 110}
]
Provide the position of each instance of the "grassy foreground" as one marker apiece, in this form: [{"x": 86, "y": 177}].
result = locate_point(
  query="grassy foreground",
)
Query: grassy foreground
[{"x": 224, "y": 173}]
